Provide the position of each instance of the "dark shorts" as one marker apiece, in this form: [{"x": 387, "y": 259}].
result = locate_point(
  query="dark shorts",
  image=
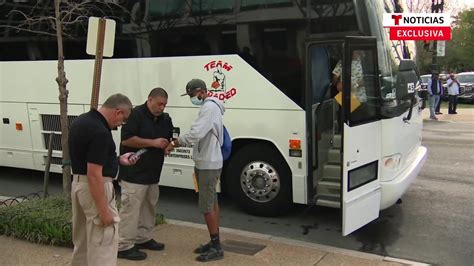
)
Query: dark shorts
[{"x": 207, "y": 182}]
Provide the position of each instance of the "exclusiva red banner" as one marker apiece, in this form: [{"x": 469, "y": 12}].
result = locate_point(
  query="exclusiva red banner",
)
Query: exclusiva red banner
[
  {"x": 420, "y": 33},
  {"x": 418, "y": 26}
]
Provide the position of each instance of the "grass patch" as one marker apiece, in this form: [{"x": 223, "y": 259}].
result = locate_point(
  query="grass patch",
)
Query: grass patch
[
  {"x": 46, "y": 221},
  {"x": 160, "y": 219}
]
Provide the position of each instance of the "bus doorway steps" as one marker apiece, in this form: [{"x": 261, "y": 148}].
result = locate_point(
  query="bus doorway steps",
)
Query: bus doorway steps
[{"x": 328, "y": 188}]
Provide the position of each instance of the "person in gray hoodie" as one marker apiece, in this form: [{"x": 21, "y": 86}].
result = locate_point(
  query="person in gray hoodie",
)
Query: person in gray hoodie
[{"x": 206, "y": 134}]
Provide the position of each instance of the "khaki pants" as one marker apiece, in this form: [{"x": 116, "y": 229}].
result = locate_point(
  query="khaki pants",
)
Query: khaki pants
[
  {"x": 137, "y": 213},
  {"x": 93, "y": 243}
]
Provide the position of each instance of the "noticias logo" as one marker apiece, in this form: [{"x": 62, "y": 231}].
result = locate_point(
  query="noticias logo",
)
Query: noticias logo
[{"x": 418, "y": 26}]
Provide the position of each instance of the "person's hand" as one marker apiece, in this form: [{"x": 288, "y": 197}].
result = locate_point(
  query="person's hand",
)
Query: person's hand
[
  {"x": 339, "y": 86},
  {"x": 106, "y": 218},
  {"x": 168, "y": 149},
  {"x": 160, "y": 143},
  {"x": 128, "y": 159}
]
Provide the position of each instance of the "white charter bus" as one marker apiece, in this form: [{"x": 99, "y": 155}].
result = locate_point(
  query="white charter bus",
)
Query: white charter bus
[{"x": 295, "y": 139}]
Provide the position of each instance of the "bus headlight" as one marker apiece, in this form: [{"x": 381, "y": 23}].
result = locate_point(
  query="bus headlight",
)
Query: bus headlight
[{"x": 392, "y": 162}]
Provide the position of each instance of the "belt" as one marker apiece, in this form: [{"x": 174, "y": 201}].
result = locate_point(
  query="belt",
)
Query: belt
[{"x": 83, "y": 178}]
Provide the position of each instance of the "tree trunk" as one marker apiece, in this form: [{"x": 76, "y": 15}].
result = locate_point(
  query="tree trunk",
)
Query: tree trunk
[{"x": 63, "y": 95}]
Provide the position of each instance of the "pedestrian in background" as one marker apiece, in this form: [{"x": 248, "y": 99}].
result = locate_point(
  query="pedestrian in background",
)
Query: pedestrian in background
[
  {"x": 435, "y": 90},
  {"x": 206, "y": 134},
  {"x": 94, "y": 164},
  {"x": 453, "y": 92},
  {"x": 147, "y": 128}
]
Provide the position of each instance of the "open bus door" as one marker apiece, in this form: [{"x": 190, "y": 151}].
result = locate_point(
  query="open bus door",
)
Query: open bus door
[{"x": 361, "y": 134}]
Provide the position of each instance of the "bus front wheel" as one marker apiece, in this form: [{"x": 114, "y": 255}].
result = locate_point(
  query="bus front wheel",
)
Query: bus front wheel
[{"x": 259, "y": 179}]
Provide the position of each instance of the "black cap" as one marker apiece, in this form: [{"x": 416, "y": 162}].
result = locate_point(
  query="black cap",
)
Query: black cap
[{"x": 194, "y": 85}]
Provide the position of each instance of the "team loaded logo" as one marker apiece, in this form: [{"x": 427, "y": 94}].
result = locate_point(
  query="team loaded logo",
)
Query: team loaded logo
[
  {"x": 219, "y": 88},
  {"x": 418, "y": 26}
]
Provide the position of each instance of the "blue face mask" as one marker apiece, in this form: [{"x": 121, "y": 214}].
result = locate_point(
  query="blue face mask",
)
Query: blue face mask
[{"x": 196, "y": 101}]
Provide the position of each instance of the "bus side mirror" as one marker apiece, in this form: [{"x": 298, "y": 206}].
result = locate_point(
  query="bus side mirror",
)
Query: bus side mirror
[{"x": 406, "y": 65}]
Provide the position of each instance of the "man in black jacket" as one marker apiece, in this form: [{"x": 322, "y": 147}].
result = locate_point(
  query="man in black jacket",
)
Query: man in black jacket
[{"x": 147, "y": 128}]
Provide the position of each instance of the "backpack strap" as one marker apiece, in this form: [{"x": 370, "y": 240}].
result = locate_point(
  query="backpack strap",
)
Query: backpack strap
[{"x": 222, "y": 127}]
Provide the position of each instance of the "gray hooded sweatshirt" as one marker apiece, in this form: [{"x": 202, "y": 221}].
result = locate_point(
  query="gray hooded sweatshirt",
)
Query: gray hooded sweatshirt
[{"x": 207, "y": 135}]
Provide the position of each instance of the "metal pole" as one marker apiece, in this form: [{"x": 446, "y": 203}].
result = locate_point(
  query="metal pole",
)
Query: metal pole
[
  {"x": 48, "y": 166},
  {"x": 98, "y": 64},
  {"x": 436, "y": 7}
]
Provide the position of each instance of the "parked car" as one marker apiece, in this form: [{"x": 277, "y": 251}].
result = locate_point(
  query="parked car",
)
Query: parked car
[{"x": 466, "y": 91}]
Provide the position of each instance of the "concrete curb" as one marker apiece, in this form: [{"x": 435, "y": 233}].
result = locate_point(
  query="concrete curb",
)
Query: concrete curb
[
  {"x": 20, "y": 199},
  {"x": 293, "y": 242},
  {"x": 2, "y": 198}
]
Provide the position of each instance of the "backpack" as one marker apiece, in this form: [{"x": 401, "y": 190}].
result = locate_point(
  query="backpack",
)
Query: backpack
[{"x": 226, "y": 145}]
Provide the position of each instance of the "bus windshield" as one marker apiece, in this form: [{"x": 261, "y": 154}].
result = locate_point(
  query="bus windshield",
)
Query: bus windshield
[{"x": 395, "y": 96}]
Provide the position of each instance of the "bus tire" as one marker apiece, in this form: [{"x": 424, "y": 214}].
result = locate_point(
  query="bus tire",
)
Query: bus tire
[{"x": 259, "y": 179}]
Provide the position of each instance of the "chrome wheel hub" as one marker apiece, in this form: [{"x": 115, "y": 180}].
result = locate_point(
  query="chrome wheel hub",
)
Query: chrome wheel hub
[{"x": 260, "y": 181}]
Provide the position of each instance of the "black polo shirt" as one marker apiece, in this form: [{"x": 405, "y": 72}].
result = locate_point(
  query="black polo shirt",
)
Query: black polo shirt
[
  {"x": 90, "y": 141},
  {"x": 143, "y": 124}
]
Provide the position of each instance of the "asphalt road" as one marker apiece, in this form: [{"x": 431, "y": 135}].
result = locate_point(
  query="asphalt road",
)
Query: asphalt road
[{"x": 434, "y": 224}]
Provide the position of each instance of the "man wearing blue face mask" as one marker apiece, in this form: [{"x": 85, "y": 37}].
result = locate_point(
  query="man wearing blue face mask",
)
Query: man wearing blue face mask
[{"x": 206, "y": 134}]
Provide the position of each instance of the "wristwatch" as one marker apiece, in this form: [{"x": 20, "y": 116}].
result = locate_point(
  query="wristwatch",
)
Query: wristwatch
[{"x": 173, "y": 143}]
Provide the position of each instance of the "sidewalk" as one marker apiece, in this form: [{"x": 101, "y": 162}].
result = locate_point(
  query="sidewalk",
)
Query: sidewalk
[
  {"x": 464, "y": 115},
  {"x": 241, "y": 248}
]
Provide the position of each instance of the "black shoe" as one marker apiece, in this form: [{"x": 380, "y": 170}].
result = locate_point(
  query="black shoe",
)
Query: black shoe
[
  {"x": 438, "y": 113},
  {"x": 131, "y": 254},
  {"x": 212, "y": 254},
  {"x": 151, "y": 245},
  {"x": 455, "y": 113},
  {"x": 203, "y": 248}
]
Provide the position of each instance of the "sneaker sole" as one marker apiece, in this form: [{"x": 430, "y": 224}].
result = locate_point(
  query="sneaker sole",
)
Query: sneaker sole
[
  {"x": 213, "y": 259},
  {"x": 151, "y": 249},
  {"x": 199, "y": 250},
  {"x": 140, "y": 247},
  {"x": 127, "y": 258}
]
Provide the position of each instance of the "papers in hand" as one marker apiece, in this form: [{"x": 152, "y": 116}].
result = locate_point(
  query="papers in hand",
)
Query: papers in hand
[{"x": 355, "y": 103}]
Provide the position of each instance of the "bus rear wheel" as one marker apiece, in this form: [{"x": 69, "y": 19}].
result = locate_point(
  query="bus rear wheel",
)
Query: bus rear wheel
[{"x": 259, "y": 179}]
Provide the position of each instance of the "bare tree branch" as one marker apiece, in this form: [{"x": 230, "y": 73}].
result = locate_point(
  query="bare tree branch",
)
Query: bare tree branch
[
  {"x": 27, "y": 30},
  {"x": 62, "y": 20}
]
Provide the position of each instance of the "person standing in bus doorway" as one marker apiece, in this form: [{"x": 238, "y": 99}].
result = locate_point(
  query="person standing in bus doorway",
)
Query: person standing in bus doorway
[
  {"x": 94, "y": 164},
  {"x": 150, "y": 128},
  {"x": 453, "y": 91},
  {"x": 357, "y": 76},
  {"x": 206, "y": 134},
  {"x": 358, "y": 90},
  {"x": 435, "y": 90}
]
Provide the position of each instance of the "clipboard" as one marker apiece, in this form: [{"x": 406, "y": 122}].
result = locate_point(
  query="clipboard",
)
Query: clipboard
[
  {"x": 195, "y": 182},
  {"x": 355, "y": 103}
]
